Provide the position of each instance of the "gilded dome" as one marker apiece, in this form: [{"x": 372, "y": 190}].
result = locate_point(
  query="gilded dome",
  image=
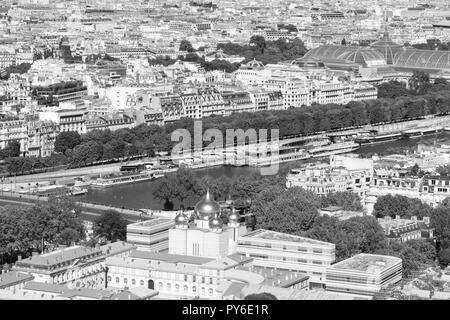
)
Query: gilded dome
[
  {"x": 181, "y": 219},
  {"x": 215, "y": 223},
  {"x": 234, "y": 216},
  {"x": 207, "y": 207}
]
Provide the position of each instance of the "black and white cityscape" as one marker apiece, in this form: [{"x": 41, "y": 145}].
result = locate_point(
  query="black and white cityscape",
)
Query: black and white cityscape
[{"x": 224, "y": 150}]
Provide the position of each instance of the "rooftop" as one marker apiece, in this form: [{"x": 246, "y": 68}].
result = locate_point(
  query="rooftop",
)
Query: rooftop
[
  {"x": 116, "y": 247},
  {"x": 59, "y": 256},
  {"x": 13, "y": 277},
  {"x": 152, "y": 223},
  {"x": 167, "y": 257},
  {"x": 368, "y": 263},
  {"x": 278, "y": 236}
]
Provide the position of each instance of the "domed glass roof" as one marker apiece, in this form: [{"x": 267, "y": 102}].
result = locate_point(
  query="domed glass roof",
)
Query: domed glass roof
[
  {"x": 387, "y": 48},
  {"x": 207, "y": 207},
  {"x": 308, "y": 62},
  {"x": 425, "y": 59},
  {"x": 364, "y": 57}
]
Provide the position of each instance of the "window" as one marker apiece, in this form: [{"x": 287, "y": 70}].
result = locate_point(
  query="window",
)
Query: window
[
  {"x": 194, "y": 289},
  {"x": 210, "y": 291},
  {"x": 117, "y": 280},
  {"x": 177, "y": 287},
  {"x": 125, "y": 280},
  {"x": 160, "y": 285},
  {"x": 133, "y": 281},
  {"x": 109, "y": 278},
  {"x": 185, "y": 288},
  {"x": 141, "y": 282},
  {"x": 168, "y": 286}
]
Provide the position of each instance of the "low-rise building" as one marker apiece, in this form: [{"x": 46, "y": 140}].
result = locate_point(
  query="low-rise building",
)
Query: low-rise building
[
  {"x": 403, "y": 230},
  {"x": 363, "y": 274},
  {"x": 150, "y": 235},
  {"x": 272, "y": 249},
  {"x": 76, "y": 266}
]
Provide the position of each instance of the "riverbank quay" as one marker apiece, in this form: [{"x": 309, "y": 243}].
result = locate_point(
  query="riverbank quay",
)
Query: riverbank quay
[
  {"x": 89, "y": 211},
  {"x": 399, "y": 128}
]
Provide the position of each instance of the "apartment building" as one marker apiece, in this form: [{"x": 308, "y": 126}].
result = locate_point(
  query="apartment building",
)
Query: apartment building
[
  {"x": 203, "y": 104},
  {"x": 68, "y": 91},
  {"x": 14, "y": 130},
  {"x": 41, "y": 138},
  {"x": 237, "y": 102},
  {"x": 111, "y": 122},
  {"x": 7, "y": 59},
  {"x": 266, "y": 100},
  {"x": 68, "y": 118},
  {"x": 323, "y": 178}
]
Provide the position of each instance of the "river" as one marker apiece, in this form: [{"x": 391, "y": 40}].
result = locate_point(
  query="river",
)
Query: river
[{"x": 139, "y": 195}]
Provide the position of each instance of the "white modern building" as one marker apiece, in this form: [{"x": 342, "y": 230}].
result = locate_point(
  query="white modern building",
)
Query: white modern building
[{"x": 363, "y": 274}]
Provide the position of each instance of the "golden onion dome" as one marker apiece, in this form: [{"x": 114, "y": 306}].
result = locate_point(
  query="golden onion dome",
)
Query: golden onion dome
[
  {"x": 234, "y": 216},
  {"x": 215, "y": 223},
  {"x": 181, "y": 219},
  {"x": 207, "y": 207}
]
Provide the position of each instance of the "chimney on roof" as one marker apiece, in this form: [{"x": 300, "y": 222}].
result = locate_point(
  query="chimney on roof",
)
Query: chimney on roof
[
  {"x": 414, "y": 218},
  {"x": 397, "y": 217},
  {"x": 426, "y": 220},
  {"x": 19, "y": 258}
]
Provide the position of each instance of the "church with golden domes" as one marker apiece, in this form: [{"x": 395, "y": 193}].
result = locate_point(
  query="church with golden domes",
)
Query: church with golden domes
[{"x": 207, "y": 236}]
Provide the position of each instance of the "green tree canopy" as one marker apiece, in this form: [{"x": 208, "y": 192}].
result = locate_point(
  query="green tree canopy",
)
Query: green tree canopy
[
  {"x": 111, "y": 226},
  {"x": 67, "y": 140}
]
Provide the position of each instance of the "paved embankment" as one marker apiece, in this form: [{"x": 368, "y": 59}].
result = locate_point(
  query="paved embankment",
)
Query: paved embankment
[{"x": 89, "y": 211}]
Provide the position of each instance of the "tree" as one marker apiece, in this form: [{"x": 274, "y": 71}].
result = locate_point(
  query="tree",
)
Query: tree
[
  {"x": 440, "y": 221},
  {"x": 291, "y": 212},
  {"x": 259, "y": 42},
  {"x": 347, "y": 200},
  {"x": 445, "y": 203},
  {"x": 392, "y": 89},
  {"x": 392, "y": 205},
  {"x": 352, "y": 236},
  {"x": 261, "y": 296},
  {"x": 185, "y": 45},
  {"x": 111, "y": 225},
  {"x": 11, "y": 150},
  {"x": 25, "y": 229},
  {"x": 67, "y": 140},
  {"x": 444, "y": 257},
  {"x": 419, "y": 83},
  {"x": 415, "y": 170}
]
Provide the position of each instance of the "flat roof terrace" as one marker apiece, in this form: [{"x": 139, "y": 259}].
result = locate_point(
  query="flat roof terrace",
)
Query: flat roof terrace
[
  {"x": 368, "y": 263},
  {"x": 278, "y": 236}
]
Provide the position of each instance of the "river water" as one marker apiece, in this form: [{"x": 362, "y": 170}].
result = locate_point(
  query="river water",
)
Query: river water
[{"x": 139, "y": 195}]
